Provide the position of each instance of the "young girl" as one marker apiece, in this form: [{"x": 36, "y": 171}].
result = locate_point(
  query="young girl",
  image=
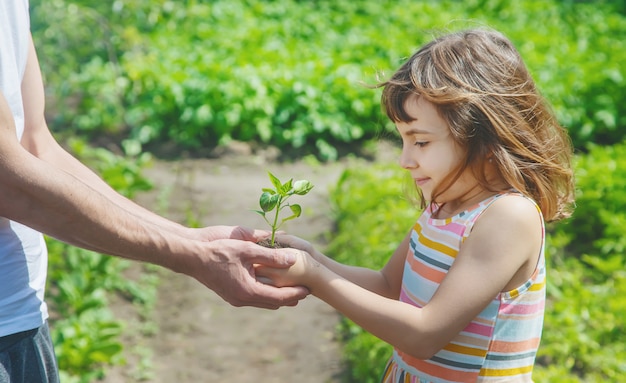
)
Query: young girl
[{"x": 462, "y": 298}]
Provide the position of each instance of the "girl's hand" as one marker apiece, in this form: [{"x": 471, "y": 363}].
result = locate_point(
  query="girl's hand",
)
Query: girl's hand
[
  {"x": 302, "y": 273},
  {"x": 297, "y": 243}
]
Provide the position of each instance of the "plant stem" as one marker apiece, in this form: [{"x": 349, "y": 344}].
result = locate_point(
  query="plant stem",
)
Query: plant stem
[{"x": 275, "y": 225}]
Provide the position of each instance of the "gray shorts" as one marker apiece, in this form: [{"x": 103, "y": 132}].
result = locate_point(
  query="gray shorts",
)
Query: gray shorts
[{"x": 28, "y": 357}]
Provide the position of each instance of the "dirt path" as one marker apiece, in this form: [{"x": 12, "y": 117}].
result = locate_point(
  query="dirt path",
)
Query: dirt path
[{"x": 200, "y": 338}]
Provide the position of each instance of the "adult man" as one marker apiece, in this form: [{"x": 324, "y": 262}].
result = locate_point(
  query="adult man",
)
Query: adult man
[{"x": 44, "y": 189}]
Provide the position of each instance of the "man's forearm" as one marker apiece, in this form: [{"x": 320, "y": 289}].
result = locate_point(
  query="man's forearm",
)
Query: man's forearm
[
  {"x": 56, "y": 203},
  {"x": 58, "y": 157}
]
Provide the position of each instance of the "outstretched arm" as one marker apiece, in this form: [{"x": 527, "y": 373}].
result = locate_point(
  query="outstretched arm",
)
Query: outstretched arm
[
  {"x": 47, "y": 189},
  {"x": 385, "y": 282}
]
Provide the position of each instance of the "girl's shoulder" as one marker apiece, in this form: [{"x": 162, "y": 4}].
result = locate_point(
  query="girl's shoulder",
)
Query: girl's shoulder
[
  {"x": 513, "y": 204},
  {"x": 509, "y": 211},
  {"x": 500, "y": 211},
  {"x": 504, "y": 210}
]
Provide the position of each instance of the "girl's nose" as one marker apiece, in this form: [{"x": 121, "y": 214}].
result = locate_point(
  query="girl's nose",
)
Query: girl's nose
[{"x": 406, "y": 160}]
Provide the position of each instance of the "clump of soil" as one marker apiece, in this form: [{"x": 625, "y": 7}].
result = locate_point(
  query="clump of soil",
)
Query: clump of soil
[{"x": 267, "y": 242}]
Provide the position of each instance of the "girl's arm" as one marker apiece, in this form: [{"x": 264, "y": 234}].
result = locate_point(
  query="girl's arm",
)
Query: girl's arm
[
  {"x": 501, "y": 252},
  {"x": 385, "y": 282}
]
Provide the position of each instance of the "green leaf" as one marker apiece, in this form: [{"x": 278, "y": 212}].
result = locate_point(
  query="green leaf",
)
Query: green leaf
[
  {"x": 275, "y": 181},
  {"x": 296, "y": 209},
  {"x": 268, "y": 201},
  {"x": 261, "y": 213},
  {"x": 302, "y": 187},
  {"x": 285, "y": 188}
]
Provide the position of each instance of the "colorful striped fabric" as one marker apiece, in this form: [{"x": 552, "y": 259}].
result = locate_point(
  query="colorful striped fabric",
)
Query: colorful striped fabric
[{"x": 500, "y": 344}]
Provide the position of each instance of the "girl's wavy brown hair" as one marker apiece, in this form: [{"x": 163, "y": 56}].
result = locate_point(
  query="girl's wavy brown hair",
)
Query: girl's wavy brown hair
[{"x": 481, "y": 87}]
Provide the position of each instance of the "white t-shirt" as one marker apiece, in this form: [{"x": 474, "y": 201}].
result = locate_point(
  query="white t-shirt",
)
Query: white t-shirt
[{"x": 23, "y": 254}]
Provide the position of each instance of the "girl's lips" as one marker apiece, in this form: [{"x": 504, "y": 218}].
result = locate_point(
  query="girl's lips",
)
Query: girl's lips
[{"x": 421, "y": 181}]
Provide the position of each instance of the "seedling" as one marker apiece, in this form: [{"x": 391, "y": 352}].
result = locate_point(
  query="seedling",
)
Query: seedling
[{"x": 276, "y": 199}]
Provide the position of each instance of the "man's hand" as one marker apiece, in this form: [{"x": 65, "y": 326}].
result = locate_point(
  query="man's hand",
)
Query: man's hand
[
  {"x": 228, "y": 268},
  {"x": 212, "y": 233}
]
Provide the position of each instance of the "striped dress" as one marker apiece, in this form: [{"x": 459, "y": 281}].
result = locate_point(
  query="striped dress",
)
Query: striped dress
[{"x": 500, "y": 344}]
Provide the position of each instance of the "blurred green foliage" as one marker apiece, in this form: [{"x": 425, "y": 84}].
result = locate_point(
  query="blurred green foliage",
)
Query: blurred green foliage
[
  {"x": 597, "y": 226},
  {"x": 585, "y": 331},
  {"x": 296, "y": 74}
]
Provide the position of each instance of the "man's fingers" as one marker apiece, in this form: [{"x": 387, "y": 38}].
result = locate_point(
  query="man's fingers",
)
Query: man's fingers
[
  {"x": 244, "y": 233},
  {"x": 264, "y": 280},
  {"x": 269, "y": 297},
  {"x": 279, "y": 296}
]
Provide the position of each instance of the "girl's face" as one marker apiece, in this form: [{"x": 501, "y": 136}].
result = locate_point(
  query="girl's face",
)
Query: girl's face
[{"x": 430, "y": 154}]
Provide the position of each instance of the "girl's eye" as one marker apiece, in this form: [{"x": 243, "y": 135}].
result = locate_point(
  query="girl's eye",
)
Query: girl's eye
[{"x": 421, "y": 144}]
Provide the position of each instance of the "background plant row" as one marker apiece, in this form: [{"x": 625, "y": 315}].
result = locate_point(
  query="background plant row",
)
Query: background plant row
[{"x": 297, "y": 74}]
